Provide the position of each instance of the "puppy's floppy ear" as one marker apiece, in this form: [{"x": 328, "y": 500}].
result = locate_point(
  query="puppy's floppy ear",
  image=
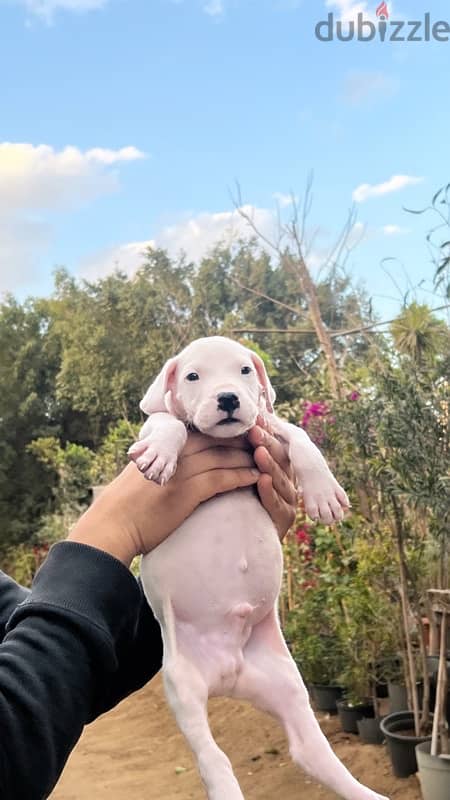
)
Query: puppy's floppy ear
[
  {"x": 158, "y": 395},
  {"x": 268, "y": 390}
]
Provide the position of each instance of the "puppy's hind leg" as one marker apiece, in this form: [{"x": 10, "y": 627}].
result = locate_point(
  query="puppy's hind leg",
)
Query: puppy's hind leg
[
  {"x": 271, "y": 681},
  {"x": 187, "y": 694}
]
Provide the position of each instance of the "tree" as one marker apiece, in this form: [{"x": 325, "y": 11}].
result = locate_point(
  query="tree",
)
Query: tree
[
  {"x": 27, "y": 374},
  {"x": 419, "y": 334}
]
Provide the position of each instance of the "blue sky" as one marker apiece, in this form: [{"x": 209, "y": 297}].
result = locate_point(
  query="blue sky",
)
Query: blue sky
[{"x": 124, "y": 121}]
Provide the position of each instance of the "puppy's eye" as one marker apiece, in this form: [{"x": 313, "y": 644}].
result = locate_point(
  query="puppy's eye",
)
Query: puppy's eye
[
  {"x": 246, "y": 370},
  {"x": 193, "y": 376}
]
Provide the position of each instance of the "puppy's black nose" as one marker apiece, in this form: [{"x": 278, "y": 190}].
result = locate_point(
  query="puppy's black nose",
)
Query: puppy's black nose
[{"x": 228, "y": 401}]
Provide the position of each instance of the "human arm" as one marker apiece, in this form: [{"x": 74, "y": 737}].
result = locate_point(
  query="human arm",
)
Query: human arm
[
  {"x": 11, "y": 594},
  {"x": 61, "y": 661},
  {"x": 85, "y": 637}
]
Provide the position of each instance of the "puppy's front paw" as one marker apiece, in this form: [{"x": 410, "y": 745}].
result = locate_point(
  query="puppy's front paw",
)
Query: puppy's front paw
[
  {"x": 324, "y": 499},
  {"x": 156, "y": 461}
]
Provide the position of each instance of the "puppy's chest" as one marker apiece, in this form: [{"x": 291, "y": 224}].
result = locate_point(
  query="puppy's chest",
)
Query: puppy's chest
[{"x": 228, "y": 550}]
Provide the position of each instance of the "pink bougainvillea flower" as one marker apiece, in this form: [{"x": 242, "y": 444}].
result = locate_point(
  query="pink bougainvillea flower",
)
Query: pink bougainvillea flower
[
  {"x": 303, "y": 535},
  {"x": 316, "y": 418}
]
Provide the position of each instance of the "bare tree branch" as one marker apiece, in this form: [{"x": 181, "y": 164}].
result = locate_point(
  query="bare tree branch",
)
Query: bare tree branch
[
  {"x": 332, "y": 334},
  {"x": 294, "y": 310}
]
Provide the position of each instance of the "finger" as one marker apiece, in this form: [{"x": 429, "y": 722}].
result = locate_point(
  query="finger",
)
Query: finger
[
  {"x": 281, "y": 513},
  {"x": 260, "y": 438},
  {"x": 264, "y": 422},
  {"x": 213, "y": 458},
  {"x": 281, "y": 482},
  {"x": 217, "y": 481}
]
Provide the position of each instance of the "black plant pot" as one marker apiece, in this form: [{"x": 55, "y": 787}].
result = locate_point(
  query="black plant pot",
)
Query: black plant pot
[
  {"x": 349, "y": 715},
  {"x": 398, "y": 696},
  {"x": 369, "y": 730},
  {"x": 398, "y": 730},
  {"x": 326, "y": 697},
  {"x": 381, "y": 690}
]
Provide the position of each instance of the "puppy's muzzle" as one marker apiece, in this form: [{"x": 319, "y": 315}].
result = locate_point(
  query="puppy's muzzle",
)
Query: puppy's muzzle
[{"x": 228, "y": 401}]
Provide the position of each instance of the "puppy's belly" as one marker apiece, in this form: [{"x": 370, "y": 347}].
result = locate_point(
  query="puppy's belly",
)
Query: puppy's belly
[{"x": 222, "y": 566}]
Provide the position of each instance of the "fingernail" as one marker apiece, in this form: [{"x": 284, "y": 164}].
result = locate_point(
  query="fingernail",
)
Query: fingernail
[{"x": 255, "y": 472}]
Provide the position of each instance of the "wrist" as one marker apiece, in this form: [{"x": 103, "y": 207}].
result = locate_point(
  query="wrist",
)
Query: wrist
[{"x": 103, "y": 531}]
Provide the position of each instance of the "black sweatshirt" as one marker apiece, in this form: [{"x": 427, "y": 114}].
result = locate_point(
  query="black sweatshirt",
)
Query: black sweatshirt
[{"x": 80, "y": 641}]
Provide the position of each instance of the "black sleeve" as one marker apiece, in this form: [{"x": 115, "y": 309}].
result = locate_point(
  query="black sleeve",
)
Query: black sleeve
[
  {"x": 11, "y": 594},
  {"x": 79, "y": 642}
]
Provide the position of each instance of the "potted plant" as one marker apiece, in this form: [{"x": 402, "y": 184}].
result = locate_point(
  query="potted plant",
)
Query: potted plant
[
  {"x": 405, "y": 729},
  {"x": 433, "y": 757},
  {"x": 412, "y": 436},
  {"x": 312, "y": 585},
  {"x": 318, "y": 654},
  {"x": 368, "y": 636},
  {"x": 356, "y": 704}
]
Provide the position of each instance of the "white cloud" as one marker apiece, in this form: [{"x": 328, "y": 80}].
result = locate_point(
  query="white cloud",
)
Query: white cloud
[
  {"x": 126, "y": 257},
  {"x": 194, "y": 235},
  {"x": 38, "y": 180},
  {"x": 394, "y": 184},
  {"x": 40, "y": 177},
  {"x": 214, "y": 8},
  {"x": 199, "y": 234},
  {"x": 47, "y": 8},
  {"x": 394, "y": 230},
  {"x": 363, "y": 87}
]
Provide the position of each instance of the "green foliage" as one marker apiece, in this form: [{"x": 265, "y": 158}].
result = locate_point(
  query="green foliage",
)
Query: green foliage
[
  {"x": 318, "y": 653},
  {"x": 418, "y": 333},
  {"x": 71, "y": 466},
  {"x": 27, "y": 373},
  {"x": 75, "y": 365},
  {"x": 344, "y": 621},
  {"x": 111, "y": 457},
  {"x": 23, "y": 561},
  {"x": 389, "y": 443}
]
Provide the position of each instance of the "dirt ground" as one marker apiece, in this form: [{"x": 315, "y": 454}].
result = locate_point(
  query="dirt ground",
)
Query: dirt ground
[{"x": 136, "y": 753}]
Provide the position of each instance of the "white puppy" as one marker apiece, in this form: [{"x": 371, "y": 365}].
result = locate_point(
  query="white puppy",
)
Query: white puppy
[{"x": 214, "y": 583}]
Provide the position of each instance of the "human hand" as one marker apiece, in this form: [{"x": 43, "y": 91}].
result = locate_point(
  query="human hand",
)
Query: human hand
[
  {"x": 276, "y": 487},
  {"x": 133, "y": 515}
]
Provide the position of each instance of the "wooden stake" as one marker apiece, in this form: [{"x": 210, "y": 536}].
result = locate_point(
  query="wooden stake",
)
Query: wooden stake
[{"x": 439, "y": 721}]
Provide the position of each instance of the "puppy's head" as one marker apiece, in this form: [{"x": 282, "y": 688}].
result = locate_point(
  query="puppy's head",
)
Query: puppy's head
[{"x": 215, "y": 385}]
